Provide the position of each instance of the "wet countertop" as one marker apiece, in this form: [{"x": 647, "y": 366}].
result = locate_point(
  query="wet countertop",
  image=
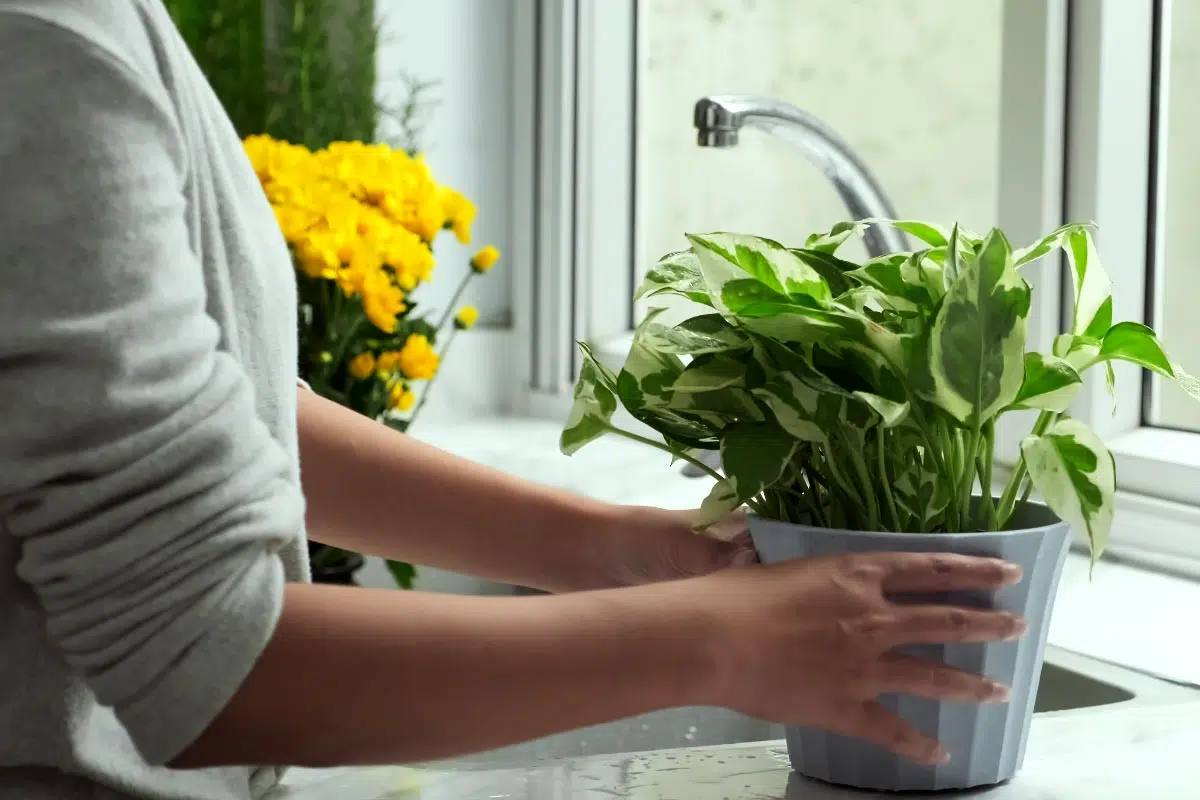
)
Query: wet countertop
[{"x": 1133, "y": 752}]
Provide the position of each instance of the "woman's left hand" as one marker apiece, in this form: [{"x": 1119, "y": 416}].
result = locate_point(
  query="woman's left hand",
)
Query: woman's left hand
[{"x": 654, "y": 544}]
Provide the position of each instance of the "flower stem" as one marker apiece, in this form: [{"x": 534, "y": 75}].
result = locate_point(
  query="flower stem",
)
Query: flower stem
[
  {"x": 429, "y": 384},
  {"x": 449, "y": 312}
]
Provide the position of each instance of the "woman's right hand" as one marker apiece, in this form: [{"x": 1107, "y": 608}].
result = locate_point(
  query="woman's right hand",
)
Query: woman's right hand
[{"x": 812, "y": 641}]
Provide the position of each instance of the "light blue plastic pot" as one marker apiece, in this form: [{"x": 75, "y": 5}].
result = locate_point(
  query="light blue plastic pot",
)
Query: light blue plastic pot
[{"x": 986, "y": 742}]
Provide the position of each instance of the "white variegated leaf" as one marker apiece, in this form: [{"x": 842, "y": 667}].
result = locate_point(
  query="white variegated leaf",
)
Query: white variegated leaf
[
  {"x": 595, "y": 403},
  {"x": 1075, "y": 474},
  {"x": 977, "y": 343},
  {"x": 1050, "y": 383}
]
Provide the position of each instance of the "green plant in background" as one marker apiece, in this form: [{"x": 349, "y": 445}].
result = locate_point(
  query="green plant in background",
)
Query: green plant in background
[
  {"x": 865, "y": 396},
  {"x": 304, "y": 72}
]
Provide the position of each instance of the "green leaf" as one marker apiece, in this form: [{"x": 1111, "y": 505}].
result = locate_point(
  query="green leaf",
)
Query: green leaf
[
  {"x": 1093, "y": 312},
  {"x": 1137, "y": 344},
  {"x": 648, "y": 377},
  {"x": 978, "y": 338},
  {"x": 676, "y": 273},
  {"x": 707, "y": 333},
  {"x": 952, "y": 265},
  {"x": 711, "y": 374},
  {"x": 835, "y": 238},
  {"x": 1047, "y": 244},
  {"x": 1078, "y": 351},
  {"x": 404, "y": 574},
  {"x": 890, "y": 412},
  {"x": 831, "y": 268},
  {"x": 730, "y": 404},
  {"x": 720, "y": 502},
  {"x": 1050, "y": 383},
  {"x": 595, "y": 403},
  {"x": 840, "y": 328},
  {"x": 897, "y": 276},
  {"x": 1076, "y": 475},
  {"x": 794, "y": 404},
  {"x": 746, "y": 296},
  {"x": 754, "y": 456},
  {"x": 764, "y": 260},
  {"x": 927, "y": 232}
]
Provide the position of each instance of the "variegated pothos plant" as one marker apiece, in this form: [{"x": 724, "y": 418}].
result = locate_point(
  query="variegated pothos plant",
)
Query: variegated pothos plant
[{"x": 865, "y": 396}]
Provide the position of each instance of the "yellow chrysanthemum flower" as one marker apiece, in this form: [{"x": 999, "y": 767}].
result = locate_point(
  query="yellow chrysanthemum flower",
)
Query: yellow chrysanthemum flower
[
  {"x": 466, "y": 318},
  {"x": 362, "y": 366},
  {"x": 418, "y": 360},
  {"x": 387, "y": 363},
  {"x": 382, "y": 300},
  {"x": 485, "y": 259},
  {"x": 401, "y": 398}
]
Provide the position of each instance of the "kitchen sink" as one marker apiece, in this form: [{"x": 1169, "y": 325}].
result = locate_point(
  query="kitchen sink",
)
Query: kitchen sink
[{"x": 1069, "y": 681}]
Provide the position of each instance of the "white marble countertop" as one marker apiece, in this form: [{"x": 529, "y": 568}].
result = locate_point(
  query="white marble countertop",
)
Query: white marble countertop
[{"x": 1147, "y": 752}]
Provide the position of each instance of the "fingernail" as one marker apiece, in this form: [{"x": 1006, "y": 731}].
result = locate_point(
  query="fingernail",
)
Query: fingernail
[
  {"x": 999, "y": 693},
  {"x": 1018, "y": 630},
  {"x": 941, "y": 757},
  {"x": 1013, "y": 573}
]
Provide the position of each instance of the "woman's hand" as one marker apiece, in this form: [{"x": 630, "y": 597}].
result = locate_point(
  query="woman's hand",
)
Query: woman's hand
[
  {"x": 647, "y": 545},
  {"x": 814, "y": 641}
]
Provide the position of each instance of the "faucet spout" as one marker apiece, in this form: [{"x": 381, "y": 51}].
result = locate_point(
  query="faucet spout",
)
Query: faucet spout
[{"x": 720, "y": 118}]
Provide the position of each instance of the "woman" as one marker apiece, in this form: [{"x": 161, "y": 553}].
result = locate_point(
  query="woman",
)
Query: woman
[{"x": 159, "y": 468}]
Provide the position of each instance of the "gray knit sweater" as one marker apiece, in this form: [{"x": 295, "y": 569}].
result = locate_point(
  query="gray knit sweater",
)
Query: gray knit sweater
[{"x": 150, "y": 507}]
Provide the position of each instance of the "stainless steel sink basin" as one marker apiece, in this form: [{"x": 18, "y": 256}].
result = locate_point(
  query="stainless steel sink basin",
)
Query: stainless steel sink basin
[{"x": 1069, "y": 681}]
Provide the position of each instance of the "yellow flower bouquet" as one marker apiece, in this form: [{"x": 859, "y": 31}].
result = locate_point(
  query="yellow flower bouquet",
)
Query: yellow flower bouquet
[{"x": 361, "y": 220}]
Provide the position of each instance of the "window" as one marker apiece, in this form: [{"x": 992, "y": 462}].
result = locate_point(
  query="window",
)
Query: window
[
  {"x": 1176, "y": 280},
  {"x": 1021, "y": 113}
]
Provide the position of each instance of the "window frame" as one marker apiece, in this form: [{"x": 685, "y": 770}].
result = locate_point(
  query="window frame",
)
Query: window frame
[{"x": 1080, "y": 124}]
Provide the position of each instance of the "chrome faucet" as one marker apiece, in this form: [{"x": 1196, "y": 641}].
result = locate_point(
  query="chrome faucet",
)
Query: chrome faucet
[{"x": 719, "y": 120}]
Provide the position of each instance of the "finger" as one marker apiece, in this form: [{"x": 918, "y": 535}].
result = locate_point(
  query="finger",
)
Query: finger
[
  {"x": 915, "y": 573},
  {"x": 901, "y": 674},
  {"x": 934, "y": 624},
  {"x": 733, "y": 527},
  {"x": 874, "y": 723}
]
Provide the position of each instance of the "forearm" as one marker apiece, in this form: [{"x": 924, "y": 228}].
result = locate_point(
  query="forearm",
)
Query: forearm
[
  {"x": 356, "y": 676},
  {"x": 374, "y": 490}
]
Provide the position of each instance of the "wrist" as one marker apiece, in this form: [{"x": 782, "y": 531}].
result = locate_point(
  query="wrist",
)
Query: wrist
[{"x": 668, "y": 637}]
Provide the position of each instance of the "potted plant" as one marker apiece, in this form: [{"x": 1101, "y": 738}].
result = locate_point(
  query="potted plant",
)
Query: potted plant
[{"x": 854, "y": 407}]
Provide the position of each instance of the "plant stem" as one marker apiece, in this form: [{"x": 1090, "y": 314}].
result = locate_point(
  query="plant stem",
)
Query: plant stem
[
  {"x": 449, "y": 312},
  {"x": 843, "y": 484},
  {"x": 1009, "y": 497},
  {"x": 698, "y": 464},
  {"x": 885, "y": 482},
  {"x": 429, "y": 384},
  {"x": 987, "y": 501},
  {"x": 810, "y": 493},
  {"x": 970, "y": 456},
  {"x": 864, "y": 478}
]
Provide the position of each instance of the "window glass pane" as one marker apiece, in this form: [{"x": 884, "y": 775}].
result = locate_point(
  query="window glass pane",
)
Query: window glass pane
[
  {"x": 912, "y": 85},
  {"x": 1176, "y": 290}
]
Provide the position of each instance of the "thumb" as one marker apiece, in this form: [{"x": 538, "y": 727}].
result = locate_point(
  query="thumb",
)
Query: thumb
[{"x": 701, "y": 554}]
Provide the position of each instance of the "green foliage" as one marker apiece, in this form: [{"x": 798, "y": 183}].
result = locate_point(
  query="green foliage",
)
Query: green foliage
[
  {"x": 303, "y": 71},
  {"x": 865, "y": 396},
  {"x": 228, "y": 40}
]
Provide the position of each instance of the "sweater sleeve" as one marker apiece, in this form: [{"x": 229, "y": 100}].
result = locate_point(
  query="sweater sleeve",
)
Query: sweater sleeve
[{"x": 146, "y": 499}]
